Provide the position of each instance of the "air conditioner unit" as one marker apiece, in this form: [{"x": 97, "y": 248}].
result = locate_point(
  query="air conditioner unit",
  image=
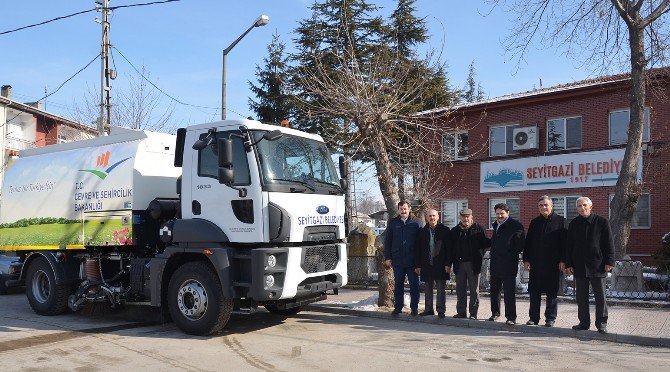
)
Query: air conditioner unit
[{"x": 525, "y": 138}]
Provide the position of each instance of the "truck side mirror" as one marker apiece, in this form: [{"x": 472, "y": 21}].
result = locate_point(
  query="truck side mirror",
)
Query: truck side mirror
[
  {"x": 225, "y": 159},
  {"x": 342, "y": 168},
  {"x": 225, "y": 146}
]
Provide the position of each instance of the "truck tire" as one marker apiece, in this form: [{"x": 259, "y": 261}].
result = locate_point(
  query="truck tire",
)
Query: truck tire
[
  {"x": 286, "y": 312},
  {"x": 3, "y": 287},
  {"x": 44, "y": 295},
  {"x": 195, "y": 300}
]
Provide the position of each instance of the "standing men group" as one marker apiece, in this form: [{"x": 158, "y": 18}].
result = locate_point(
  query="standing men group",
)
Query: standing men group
[{"x": 585, "y": 248}]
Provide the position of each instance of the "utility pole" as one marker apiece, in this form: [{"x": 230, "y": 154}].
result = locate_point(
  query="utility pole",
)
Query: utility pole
[{"x": 105, "y": 74}]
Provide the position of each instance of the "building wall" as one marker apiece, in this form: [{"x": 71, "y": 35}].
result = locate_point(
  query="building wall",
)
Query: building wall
[{"x": 593, "y": 106}]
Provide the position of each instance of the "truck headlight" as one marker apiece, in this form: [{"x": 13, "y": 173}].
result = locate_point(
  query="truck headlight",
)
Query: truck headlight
[
  {"x": 272, "y": 261},
  {"x": 269, "y": 281}
]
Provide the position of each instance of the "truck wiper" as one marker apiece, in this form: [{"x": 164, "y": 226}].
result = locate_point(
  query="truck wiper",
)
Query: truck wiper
[{"x": 297, "y": 181}]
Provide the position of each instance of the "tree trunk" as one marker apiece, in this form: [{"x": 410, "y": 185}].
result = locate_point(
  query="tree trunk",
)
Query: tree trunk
[
  {"x": 627, "y": 188},
  {"x": 390, "y": 195},
  {"x": 385, "y": 278}
]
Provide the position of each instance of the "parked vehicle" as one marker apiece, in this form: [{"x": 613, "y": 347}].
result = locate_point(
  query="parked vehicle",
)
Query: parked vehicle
[
  {"x": 10, "y": 268},
  {"x": 230, "y": 213}
]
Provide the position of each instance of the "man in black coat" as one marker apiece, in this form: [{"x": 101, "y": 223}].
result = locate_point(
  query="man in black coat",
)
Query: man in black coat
[
  {"x": 543, "y": 257},
  {"x": 469, "y": 241},
  {"x": 430, "y": 257},
  {"x": 589, "y": 256},
  {"x": 506, "y": 244}
]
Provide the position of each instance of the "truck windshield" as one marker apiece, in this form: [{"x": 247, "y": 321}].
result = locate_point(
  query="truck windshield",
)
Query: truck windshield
[{"x": 296, "y": 160}]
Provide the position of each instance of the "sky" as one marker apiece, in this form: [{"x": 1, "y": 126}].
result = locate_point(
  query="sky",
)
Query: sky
[{"x": 180, "y": 44}]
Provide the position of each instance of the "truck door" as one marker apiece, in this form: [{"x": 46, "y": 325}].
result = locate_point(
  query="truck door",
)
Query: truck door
[{"x": 239, "y": 217}]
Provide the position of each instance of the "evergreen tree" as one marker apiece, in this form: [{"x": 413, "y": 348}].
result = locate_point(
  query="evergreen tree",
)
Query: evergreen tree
[
  {"x": 336, "y": 27},
  {"x": 473, "y": 91},
  {"x": 406, "y": 30},
  {"x": 274, "y": 102}
]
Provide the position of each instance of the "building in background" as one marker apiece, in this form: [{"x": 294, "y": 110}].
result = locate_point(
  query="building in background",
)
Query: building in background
[
  {"x": 566, "y": 141},
  {"x": 26, "y": 125}
]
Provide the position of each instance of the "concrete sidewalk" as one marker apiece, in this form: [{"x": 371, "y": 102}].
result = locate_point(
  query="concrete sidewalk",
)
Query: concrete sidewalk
[{"x": 626, "y": 324}]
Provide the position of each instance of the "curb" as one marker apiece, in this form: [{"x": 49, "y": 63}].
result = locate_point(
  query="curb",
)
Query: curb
[{"x": 499, "y": 326}]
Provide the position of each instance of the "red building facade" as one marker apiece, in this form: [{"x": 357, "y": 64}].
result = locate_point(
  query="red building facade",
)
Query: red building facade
[{"x": 580, "y": 129}]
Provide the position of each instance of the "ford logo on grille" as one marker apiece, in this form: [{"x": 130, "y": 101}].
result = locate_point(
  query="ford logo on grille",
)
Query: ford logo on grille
[{"x": 322, "y": 209}]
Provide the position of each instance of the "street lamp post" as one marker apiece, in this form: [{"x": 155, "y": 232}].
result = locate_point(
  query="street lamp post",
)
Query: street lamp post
[{"x": 260, "y": 21}]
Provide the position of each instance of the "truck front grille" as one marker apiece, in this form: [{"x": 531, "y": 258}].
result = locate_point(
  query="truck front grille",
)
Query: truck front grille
[{"x": 318, "y": 259}]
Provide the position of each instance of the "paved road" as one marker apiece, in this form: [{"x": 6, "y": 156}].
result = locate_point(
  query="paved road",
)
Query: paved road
[
  {"x": 312, "y": 340},
  {"x": 634, "y": 324}
]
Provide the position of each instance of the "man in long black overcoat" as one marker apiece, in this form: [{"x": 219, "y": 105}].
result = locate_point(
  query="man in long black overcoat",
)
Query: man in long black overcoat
[
  {"x": 543, "y": 257},
  {"x": 589, "y": 256}
]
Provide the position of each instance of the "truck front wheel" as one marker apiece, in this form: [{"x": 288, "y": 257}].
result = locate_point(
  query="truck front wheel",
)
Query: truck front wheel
[
  {"x": 44, "y": 295},
  {"x": 195, "y": 300}
]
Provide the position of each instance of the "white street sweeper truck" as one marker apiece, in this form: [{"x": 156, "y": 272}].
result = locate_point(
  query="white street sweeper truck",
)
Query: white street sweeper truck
[{"x": 227, "y": 214}]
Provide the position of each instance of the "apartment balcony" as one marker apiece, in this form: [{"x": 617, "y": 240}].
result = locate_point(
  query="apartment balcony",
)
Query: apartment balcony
[{"x": 18, "y": 144}]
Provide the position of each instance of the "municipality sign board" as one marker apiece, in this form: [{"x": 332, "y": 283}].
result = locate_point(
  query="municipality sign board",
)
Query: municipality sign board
[{"x": 564, "y": 171}]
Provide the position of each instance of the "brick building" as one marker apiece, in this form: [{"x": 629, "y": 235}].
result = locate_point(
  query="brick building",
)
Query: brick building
[{"x": 566, "y": 141}]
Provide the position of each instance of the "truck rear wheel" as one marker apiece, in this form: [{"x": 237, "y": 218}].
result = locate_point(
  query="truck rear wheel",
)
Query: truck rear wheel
[
  {"x": 44, "y": 295},
  {"x": 195, "y": 300},
  {"x": 286, "y": 312}
]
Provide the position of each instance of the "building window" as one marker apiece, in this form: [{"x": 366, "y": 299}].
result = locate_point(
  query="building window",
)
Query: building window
[
  {"x": 501, "y": 140},
  {"x": 451, "y": 210},
  {"x": 512, "y": 204},
  {"x": 564, "y": 133},
  {"x": 642, "y": 215},
  {"x": 454, "y": 146},
  {"x": 565, "y": 206},
  {"x": 619, "y": 121},
  {"x": 62, "y": 138}
]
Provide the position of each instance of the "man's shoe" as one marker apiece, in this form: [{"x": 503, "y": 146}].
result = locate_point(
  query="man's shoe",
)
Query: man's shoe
[
  {"x": 427, "y": 312},
  {"x": 460, "y": 316},
  {"x": 396, "y": 311},
  {"x": 549, "y": 323},
  {"x": 493, "y": 318},
  {"x": 580, "y": 327},
  {"x": 603, "y": 329},
  {"x": 473, "y": 317},
  {"x": 414, "y": 313},
  {"x": 510, "y": 322},
  {"x": 440, "y": 315},
  {"x": 530, "y": 322}
]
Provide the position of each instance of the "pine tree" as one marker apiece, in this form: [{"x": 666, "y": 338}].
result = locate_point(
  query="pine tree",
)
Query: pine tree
[
  {"x": 274, "y": 101},
  {"x": 473, "y": 91},
  {"x": 336, "y": 27}
]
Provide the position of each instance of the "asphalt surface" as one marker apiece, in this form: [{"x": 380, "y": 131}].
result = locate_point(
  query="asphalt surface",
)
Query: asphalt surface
[{"x": 627, "y": 324}]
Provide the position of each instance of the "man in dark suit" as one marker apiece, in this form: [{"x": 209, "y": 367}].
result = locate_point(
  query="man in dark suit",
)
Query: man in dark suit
[
  {"x": 506, "y": 244},
  {"x": 401, "y": 234},
  {"x": 469, "y": 241},
  {"x": 589, "y": 256},
  {"x": 543, "y": 258},
  {"x": 430, "y": 260}
]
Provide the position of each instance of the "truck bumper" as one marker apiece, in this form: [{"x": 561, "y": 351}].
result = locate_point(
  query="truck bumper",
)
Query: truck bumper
[{"x": 298, "y": 272}]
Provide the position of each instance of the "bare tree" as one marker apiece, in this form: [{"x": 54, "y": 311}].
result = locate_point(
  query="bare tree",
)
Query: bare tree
[
  {"x": 139, "y": 106},
  {"x": 372, "y": 112},
  {"x": 611, "y": 32}
]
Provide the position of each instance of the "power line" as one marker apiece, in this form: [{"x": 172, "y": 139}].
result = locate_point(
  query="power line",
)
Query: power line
[
  {"x": 142, "y": 4},
  {"x": 49, "y": 21},
  {"x": 163, "y": 92},
  {"x": 83, "y": 12},
  {"x": 60, "y": 86}
]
